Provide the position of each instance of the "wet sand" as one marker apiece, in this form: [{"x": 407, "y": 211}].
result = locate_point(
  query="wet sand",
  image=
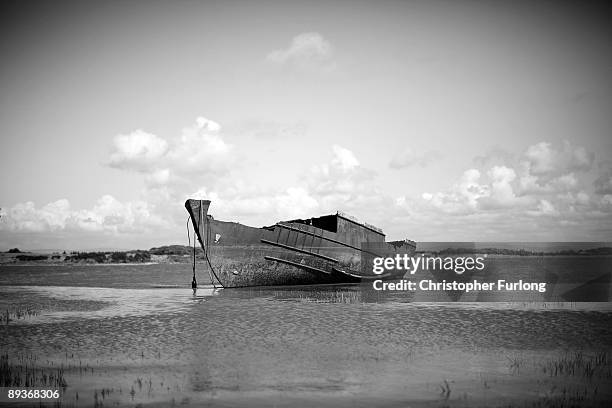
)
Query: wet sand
[{"x": 317, "y": 346}]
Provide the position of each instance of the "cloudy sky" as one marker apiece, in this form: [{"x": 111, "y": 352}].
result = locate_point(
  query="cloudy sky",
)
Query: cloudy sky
[{"x": 435, "y": 120}]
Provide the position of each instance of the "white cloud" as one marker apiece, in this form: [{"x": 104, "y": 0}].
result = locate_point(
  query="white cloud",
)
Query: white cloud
[
  {"x": 603, "y": 183},
  {"x": 565, "y": 182},
  {"x": 107, "y": 215},
  {"x": 501, "y": 192},
  {"x": 198, "y": 149},
  {"x": 546, "y": 169},
  {"x": 138, "y": 150},
  {"x": 470, "y": 195},
  {"x": 582, "y": 198},
  {"x": 542, "y": 159},
  {"x": 462, "y": 197},
  {"x": 307, "y": 52},
  {"x": 606, "y": 200},
  {"x": 54, "y": 213},
  {"x": 296, "y": 202},
  {"x": 544, "y": 208},
  {"x": 207, "y": 124},
  {"x": 344, "y": 159},
  {"x": 159, "y": 177},
  {"x": 26, "y": 217},
  {"x": 342, "y": 182},
  {"x": 540, "y": 195}
]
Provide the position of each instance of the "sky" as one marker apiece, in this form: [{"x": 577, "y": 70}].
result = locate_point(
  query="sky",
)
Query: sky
[{"x": 433, "y": 120}]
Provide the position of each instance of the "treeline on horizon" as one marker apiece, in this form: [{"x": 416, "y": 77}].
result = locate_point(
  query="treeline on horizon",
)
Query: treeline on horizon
[
  {"x": 523, "y": 252},
  {"x": 178, "y": 253}
]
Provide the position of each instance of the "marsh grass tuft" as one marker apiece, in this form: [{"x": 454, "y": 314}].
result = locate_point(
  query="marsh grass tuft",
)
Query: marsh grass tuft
[
  {"x": 580, "y": 365},
  {"x": 445, "y": 390},
  {"x": 515, "y": 364},
  {"x": 14, "y": 313},
  {"x": 25, "y": 372}
]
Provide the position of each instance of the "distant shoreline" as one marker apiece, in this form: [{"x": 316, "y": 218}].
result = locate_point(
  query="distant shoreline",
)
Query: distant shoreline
[
  {"x": 13, "y": 260},
  {"x": 161, "y": 255},
  {"x": 182, "y": 254}
]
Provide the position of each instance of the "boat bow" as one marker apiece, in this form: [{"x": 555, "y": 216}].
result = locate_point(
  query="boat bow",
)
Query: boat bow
[{"x": 198, "y": 212}]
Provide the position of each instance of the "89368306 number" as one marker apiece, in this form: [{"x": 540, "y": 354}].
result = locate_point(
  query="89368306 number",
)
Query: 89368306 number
[{"x": 8, "y": 394}]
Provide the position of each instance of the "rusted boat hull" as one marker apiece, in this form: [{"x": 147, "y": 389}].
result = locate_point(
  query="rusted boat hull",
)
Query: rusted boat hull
[{"x": 323, "y": 250}]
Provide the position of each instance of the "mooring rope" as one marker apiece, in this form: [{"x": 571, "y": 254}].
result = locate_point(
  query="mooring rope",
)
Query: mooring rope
[{"x": 213, "y": 272}]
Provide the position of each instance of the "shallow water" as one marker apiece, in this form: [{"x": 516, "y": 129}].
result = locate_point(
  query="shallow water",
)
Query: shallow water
[{"x": 338, "y": 345}]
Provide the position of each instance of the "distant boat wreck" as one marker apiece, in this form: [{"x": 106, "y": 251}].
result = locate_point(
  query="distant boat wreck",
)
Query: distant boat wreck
[{"x": 332, "y": 248}]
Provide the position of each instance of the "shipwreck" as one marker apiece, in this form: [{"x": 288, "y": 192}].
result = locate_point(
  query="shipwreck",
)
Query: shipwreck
[{"x": 329, "y": 249}]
